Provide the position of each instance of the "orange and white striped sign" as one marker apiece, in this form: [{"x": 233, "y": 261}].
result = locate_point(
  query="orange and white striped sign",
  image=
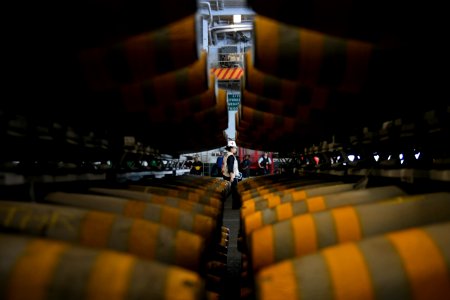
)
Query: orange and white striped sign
[{"x": 228, "y": 73}]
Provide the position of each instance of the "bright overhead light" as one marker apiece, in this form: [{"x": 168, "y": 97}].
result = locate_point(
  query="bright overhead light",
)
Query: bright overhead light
[{"x": 236, "y": 18}]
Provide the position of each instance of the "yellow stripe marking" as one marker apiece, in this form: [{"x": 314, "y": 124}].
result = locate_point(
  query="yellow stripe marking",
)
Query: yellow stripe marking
[
  {"x": 134, "y": 209},
  {"x": 252, "y": 222},
  {"x": 284, "y": 211},
  {"x": 262, "y": 247},
  {"x": 348, "y": 272},
  {"x": 193, "y": 242},
  {"x": 311, "y": 55},
  {"x": 273, "y": 201},
  {"x": 316, "y": 204},
  {"x": 170, "y": 216},
  {"x": 278, "y": 282},
  {"x": 347, "y": 224},
  {"x": 247, "y": 208},
  {"x": 299, "y": 195},
  {"x": 96, "y": 229},
  {"x": 267, "y": 42},
  {"x": 110, "y": 276},
  {"x": 158, "y": 199},
  {"x": 424, "y": 264},
  {"x": 143, "y": 235},
  {"x": 305, "y": 234},
  {"x": 203, "y": 225},
  {"x": 33, "y": 271},
  {"x": 181, "y": 284}
]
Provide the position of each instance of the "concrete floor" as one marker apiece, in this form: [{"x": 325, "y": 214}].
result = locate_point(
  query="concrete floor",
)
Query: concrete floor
[{"x": 231, "y": 220}]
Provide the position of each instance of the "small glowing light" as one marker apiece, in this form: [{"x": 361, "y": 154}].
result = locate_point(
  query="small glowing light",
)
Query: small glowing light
[
  {"x": 236, "y": 18},
  {"x": 376, "y": 157},
  {"x": 145, "y": 163},
  {"x": 389, "y": 157},
  {"x": 108, "y": 162},
  {"x": 316, "y": 159},
  {"x": 417, "y": 155},
  {"x": 401, "y": 161},
  {"x": 400, "y": 156},
  {"x": 351, "y": 157}
]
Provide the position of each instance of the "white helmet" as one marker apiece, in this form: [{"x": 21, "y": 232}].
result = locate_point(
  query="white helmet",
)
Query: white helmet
[{"x": 232, "y": 144}]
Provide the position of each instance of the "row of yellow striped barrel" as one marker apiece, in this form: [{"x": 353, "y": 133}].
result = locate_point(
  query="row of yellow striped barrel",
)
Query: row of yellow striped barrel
[
  {"x": 100, "y": 20},
  {"x": 316, "y": 203},
  {"x": 298, "y": 110},
  {"x": 279, "y": 184},
  {"x": 211, "y": 108},
  {"x": 317, "y": 59},
  {"x": 347, "y": 19},
  {"x": 35, "y": 269},
  {"x": 271, "y": 91},
  {"x": 149, "y": 193},
  {"x": 181, "y": 192},
  {"x": 407, "y": 264},
  {"x": 173, "y": 217},
  {"x": 136, "y": 58},
  {"x": 169, "y": 87},
  {"x": 148, "y": 240},
  {"x": 156, "y": 199},
  {"x": 179, "y": 109},
  {"x": 284, "y": 189},
  {"x": 201, "y": 183},
  {"x": 251, "y": 206},
  {"x": 308, "y": 233},
  {"x": 255, "y": 182}
]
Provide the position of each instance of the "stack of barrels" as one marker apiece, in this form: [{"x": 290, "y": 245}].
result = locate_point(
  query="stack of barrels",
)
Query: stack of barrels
[
  {"x": 158, "y": 240},
  {"x": 305, "y": 238}
]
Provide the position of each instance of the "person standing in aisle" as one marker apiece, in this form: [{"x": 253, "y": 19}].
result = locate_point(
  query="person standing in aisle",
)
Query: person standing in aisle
[
  {"x": 245, "y": 166},
  {"x": 230, "y": 172},
  {"x": 197, "y": 167},
  {"x": 264, "y": 163}
]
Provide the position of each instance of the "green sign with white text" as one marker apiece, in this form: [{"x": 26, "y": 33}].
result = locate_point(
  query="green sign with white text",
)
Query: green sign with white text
[{"x": 233, "y": 101}]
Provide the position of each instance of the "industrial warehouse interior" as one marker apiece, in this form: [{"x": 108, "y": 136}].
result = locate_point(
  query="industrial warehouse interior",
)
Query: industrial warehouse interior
[{"x": 115, "y": 115}]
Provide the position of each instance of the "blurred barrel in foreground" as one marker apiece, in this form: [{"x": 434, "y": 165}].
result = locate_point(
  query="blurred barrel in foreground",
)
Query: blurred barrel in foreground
[
  {"x": 287, "y": 210},
  {"x": 407, "y": 264},
  {"x": 35, "y": 269},
  {"x": 173, "y": 217},
  {"x": 309, "y": 233},
  {"x": 104, "y": 230}
]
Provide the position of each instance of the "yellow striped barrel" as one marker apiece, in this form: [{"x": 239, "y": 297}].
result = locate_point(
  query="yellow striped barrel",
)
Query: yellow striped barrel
[
  {"x": 314, "y": 58},
  {"x": 182, "y": 192},
  {"x": 407, "y": 264},
  {"x": 287, "y": 210},
  {"x": 173, "y": 217},
  {"x": 148, "y": 193},
  {"x": 136, "y": 58},
  {"x": 308, "y": 233},
  {"x": 181, "y": 109},
  {"x": 255, "y": 182},
  {"x": 348, "y": 19},
  {"x": 271, "y": 89},
  {"x": 157, "y": 199},
  {"x": 265, "y": 193},
  {"x": 188, "y": 81},
  {"x": 98, "y": 229},
  {"x": 298, "y": 192},
  {"x": 252, "y": 206},
  {"x": 34, "y": 268}
]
